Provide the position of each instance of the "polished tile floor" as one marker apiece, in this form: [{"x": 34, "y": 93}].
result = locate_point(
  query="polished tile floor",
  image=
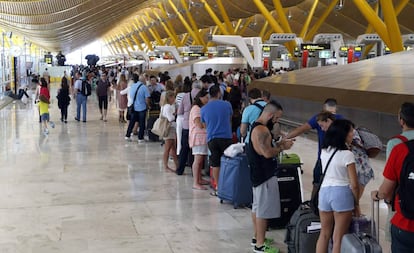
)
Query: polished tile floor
[{"x": 83, "y": 189}]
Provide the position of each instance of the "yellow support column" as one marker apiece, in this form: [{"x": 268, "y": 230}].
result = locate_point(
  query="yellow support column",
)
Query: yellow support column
[
  {"x": 225, "y": 16},
  {"x": 186, "y": 25},
  {"x": 172, "y": 35},
  {"x": 273, "y": 23},
  {"x": 263, "y": 30},
  {"x": 374, "y": 20},
  {"x": 216, "y": 20},
  {"x": 143, "y": 36},
  {"x": 308, "y": 19},
  {"x": 401, "y": 6},
  {"x": 152, "y": 32},
  {"x": 321, "y": 20},
  {"x": 237, "y": 27},
  {"x": 246, "y": 24},
  {"x": 137, "y": 42},
  {"x": 184, "y": 39},
  {"x": 171, "y": 31},
  {"x": 390, "y": 18},
  {"x": 282, "y": 16},
  {"x": 192, "y": 22}
]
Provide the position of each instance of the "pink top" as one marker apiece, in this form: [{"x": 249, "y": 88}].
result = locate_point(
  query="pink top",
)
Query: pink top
[{"x": 198, "y": 136}]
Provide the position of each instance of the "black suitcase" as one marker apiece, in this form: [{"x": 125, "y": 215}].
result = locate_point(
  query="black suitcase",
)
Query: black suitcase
[
  {"x": 299, "y": 238},
  {"x": 289, "y": 177}
]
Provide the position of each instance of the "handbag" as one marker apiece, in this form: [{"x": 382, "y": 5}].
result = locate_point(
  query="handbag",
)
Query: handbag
[
  {"x": 161, "y": 126},
  {"x": 131, "y": 108},
  {"x": 314, "y": 202}
]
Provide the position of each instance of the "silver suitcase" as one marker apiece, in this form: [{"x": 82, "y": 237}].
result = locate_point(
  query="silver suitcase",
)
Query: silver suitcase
[{"x": 363, "y": 242}]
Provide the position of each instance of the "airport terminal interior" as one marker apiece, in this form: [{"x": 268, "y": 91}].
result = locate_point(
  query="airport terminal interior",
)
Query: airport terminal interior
[{"x": 84, "y": 187}]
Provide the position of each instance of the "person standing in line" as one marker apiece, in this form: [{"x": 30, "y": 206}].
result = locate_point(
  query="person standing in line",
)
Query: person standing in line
[
  {"x": 63, "y": 100},
  {"x": 251, "y": 113},
  {"x": 262, "y": 156},
  {"x": 363, "y": 167},
  {"x": 330, "y": 106},
  {"x": 339, "y": 192},
  {"x": 141, "y": 104},
  {"x": 184, "y": 111},
  {"x": 406, "y": 121},
  {"x": 168, "y": 111},
  {"x": 198, "y": 139},
  {"x": 122, "y": 98},
  {"x": 102, "y": 91},
  {"x": 217, "y": 115}
]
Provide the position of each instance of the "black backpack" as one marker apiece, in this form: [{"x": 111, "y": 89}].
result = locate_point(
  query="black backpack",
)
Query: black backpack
[
  {"x": 86, "y": 88},
  {"x": 406, "y": 184}
]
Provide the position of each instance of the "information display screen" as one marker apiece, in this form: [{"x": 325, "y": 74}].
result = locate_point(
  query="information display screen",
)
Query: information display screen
[
  {"x": 325, "y": 54},
  {"x": 315, "y": 47},
  {"x": 343, "y": 52},
  {"x": 358, "y": 52}
]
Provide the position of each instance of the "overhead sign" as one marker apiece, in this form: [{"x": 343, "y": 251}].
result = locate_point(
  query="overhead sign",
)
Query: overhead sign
[
  {"x": 315, "y": 47},
  {"x": 343, "y": 51},
  {"x": 357, "y": 52},
  {"x": 48, "y": 58}
]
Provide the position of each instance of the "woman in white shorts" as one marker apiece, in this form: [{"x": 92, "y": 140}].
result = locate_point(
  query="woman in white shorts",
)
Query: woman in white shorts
[
  {"x": 198, "y": 139},
  {"x": 338, "y": 195}
]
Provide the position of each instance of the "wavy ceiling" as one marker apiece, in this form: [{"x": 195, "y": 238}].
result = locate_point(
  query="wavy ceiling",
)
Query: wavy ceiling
[{"x": 69, "y": 24}]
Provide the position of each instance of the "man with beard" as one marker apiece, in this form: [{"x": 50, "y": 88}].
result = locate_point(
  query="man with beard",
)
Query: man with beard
[{"x": 262, "y": 160}]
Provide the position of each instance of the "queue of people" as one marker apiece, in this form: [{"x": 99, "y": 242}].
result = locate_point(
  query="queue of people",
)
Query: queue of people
[{"x": 202, "y": 119}]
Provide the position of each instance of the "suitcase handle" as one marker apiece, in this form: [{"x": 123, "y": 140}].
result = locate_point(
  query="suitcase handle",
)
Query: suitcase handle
[{"x": 375, "y": 225}]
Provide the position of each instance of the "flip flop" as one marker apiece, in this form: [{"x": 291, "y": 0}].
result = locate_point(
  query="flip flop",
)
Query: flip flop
[
  {"x": 168, "y": 169},
  {"x": 201, "y": 188}
]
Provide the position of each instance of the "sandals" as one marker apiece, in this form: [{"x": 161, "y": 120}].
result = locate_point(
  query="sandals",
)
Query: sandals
[{"x": 200, "y": 187}]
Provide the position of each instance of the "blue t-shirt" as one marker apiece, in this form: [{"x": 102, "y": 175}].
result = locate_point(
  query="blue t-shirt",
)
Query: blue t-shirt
[
  {"x": 250, "y": 115},
  {"x": 321, "y": 134},
  {"x": 143, "y": 93},
  {"x": 217, "y": 116}
]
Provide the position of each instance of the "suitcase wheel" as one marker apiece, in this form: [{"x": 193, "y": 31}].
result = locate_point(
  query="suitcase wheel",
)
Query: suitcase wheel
[{"x": 221, "y": 201}]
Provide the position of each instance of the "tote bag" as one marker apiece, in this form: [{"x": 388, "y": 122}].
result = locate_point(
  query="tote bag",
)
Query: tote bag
[{"x": 161, "y": 126}]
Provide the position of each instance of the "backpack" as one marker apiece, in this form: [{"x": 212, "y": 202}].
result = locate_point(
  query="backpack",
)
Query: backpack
[
  {"x": 371, "y": 142},
  {"x": 86, "y": 88},
  {"x": 406, "y": 184}
]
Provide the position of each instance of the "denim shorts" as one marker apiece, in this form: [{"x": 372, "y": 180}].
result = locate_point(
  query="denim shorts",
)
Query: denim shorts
[
  {"x": 336, "y": 199},
  {"x": 44, "y": 117}
]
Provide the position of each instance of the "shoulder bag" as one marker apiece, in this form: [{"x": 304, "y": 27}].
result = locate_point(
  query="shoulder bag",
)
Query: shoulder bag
[
  {"x": 161, "y": 126},
  {"x": 315, "y": 198}
]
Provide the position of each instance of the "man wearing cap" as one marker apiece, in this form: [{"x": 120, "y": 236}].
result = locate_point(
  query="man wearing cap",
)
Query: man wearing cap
[{"x": 329, "y": 106}]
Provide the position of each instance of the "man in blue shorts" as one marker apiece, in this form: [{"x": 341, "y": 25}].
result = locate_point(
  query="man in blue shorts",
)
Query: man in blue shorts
[{"x": 216, "y": 115}]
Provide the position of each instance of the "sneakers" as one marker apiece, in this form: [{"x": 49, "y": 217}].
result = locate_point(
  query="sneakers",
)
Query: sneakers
[
  {"x": 127, "y": 138},
  {"x": 141, "y": 141},
  {"x": 52, "y": 124},
  {"x": 268, "y": 241},
  {"x": 265, "y": 249},
  {"x": 46, "y": 131}
]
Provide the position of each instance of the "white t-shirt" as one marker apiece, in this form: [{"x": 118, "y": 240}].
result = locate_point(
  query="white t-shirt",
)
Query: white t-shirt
[{"x": 337, "y": 172}]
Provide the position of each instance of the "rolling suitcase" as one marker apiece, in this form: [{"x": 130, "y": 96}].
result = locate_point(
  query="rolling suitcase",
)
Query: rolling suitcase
[
  {"x": 362, "y": 242},
  {"x": 302, "y": 231},
  {"x": 234, "y": 182},
  {"x": 289, "y": 177}
]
